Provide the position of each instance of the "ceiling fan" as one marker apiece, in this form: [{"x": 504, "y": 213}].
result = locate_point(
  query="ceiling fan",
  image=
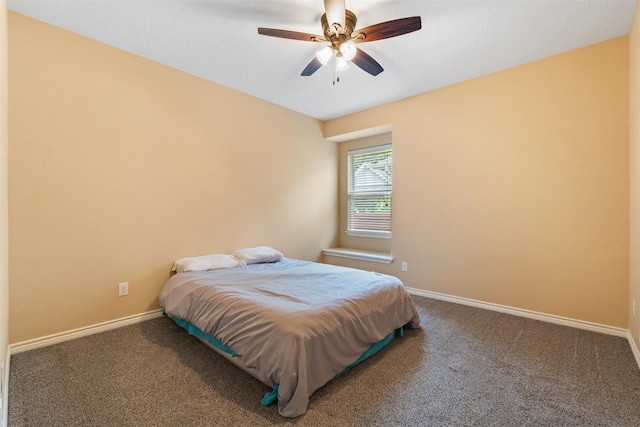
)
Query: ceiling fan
[{"x": 338, "y": 25}]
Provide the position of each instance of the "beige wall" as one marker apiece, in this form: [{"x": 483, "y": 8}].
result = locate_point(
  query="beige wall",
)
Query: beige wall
[
  {"x": 634, "y": 163},
  {"x": 119, "y": 166},
  {"x": 513, "y": 188},
  {"x": 4, "y": 239}
]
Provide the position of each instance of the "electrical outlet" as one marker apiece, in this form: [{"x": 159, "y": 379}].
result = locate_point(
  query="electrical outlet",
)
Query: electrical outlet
[
  {"x": 405, "y": 266},
  {"x": 123, "y": 289}
]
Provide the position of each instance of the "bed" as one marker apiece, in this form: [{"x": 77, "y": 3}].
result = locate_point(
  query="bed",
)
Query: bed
[{"x": 292, "y": 324}]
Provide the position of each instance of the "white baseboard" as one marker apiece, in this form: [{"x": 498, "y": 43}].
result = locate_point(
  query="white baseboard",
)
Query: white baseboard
[
  {"x": 550, "y": 318},
  {"x": 634, "y": 348},
  {"x": 81, "y": 332}
]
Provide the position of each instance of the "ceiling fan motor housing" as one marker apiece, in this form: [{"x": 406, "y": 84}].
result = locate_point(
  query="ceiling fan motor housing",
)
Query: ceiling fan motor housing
[{"x": 335, "y": 33}]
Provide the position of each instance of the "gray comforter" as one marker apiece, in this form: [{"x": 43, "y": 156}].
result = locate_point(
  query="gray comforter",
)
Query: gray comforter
[{"x": 293, "y": 323}]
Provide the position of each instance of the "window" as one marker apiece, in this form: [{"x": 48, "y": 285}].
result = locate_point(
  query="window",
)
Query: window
[{"x": 369, "y": 192}]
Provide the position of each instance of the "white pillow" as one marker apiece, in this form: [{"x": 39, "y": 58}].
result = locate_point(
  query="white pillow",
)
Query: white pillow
[
  {"x": 205, "y": 262},
  {"x": 257, "y": 255}
]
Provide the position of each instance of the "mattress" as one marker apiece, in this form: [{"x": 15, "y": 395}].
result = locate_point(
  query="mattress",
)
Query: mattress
[{"x": 292, "y": 324}]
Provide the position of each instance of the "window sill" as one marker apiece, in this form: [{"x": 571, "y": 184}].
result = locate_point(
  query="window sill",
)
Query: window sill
[{"x": 380, "y": 257}]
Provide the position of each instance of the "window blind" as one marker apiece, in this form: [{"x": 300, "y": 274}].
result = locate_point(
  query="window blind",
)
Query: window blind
[{"x": 370, "y": 179}]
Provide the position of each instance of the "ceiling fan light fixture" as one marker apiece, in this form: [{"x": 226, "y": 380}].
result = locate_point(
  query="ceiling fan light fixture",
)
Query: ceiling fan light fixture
[
  {"x": 348, "y": 50},
  {"x": 341, "y": 63},
  {"x": 324, "y": 55}
]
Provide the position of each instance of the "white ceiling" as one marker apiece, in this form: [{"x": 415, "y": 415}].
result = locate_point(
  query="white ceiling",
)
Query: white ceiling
[{"x": 218, "y": 41}]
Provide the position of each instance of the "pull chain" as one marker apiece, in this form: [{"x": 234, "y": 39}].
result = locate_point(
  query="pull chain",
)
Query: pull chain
[{"x": 335, "y": 71}]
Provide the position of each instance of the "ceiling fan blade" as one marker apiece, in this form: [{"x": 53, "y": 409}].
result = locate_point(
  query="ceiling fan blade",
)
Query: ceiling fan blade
[
  {"x": 292, "y": 35},
  {"x": 312, "y": 67},
  {"x": 385, "y": 30},
  {"x": 335, "y": 10},
  {"x": 367, "y": 63}
]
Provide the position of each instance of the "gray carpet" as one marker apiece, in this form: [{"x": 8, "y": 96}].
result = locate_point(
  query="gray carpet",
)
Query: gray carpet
[{"x": 466, "y": 366}]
